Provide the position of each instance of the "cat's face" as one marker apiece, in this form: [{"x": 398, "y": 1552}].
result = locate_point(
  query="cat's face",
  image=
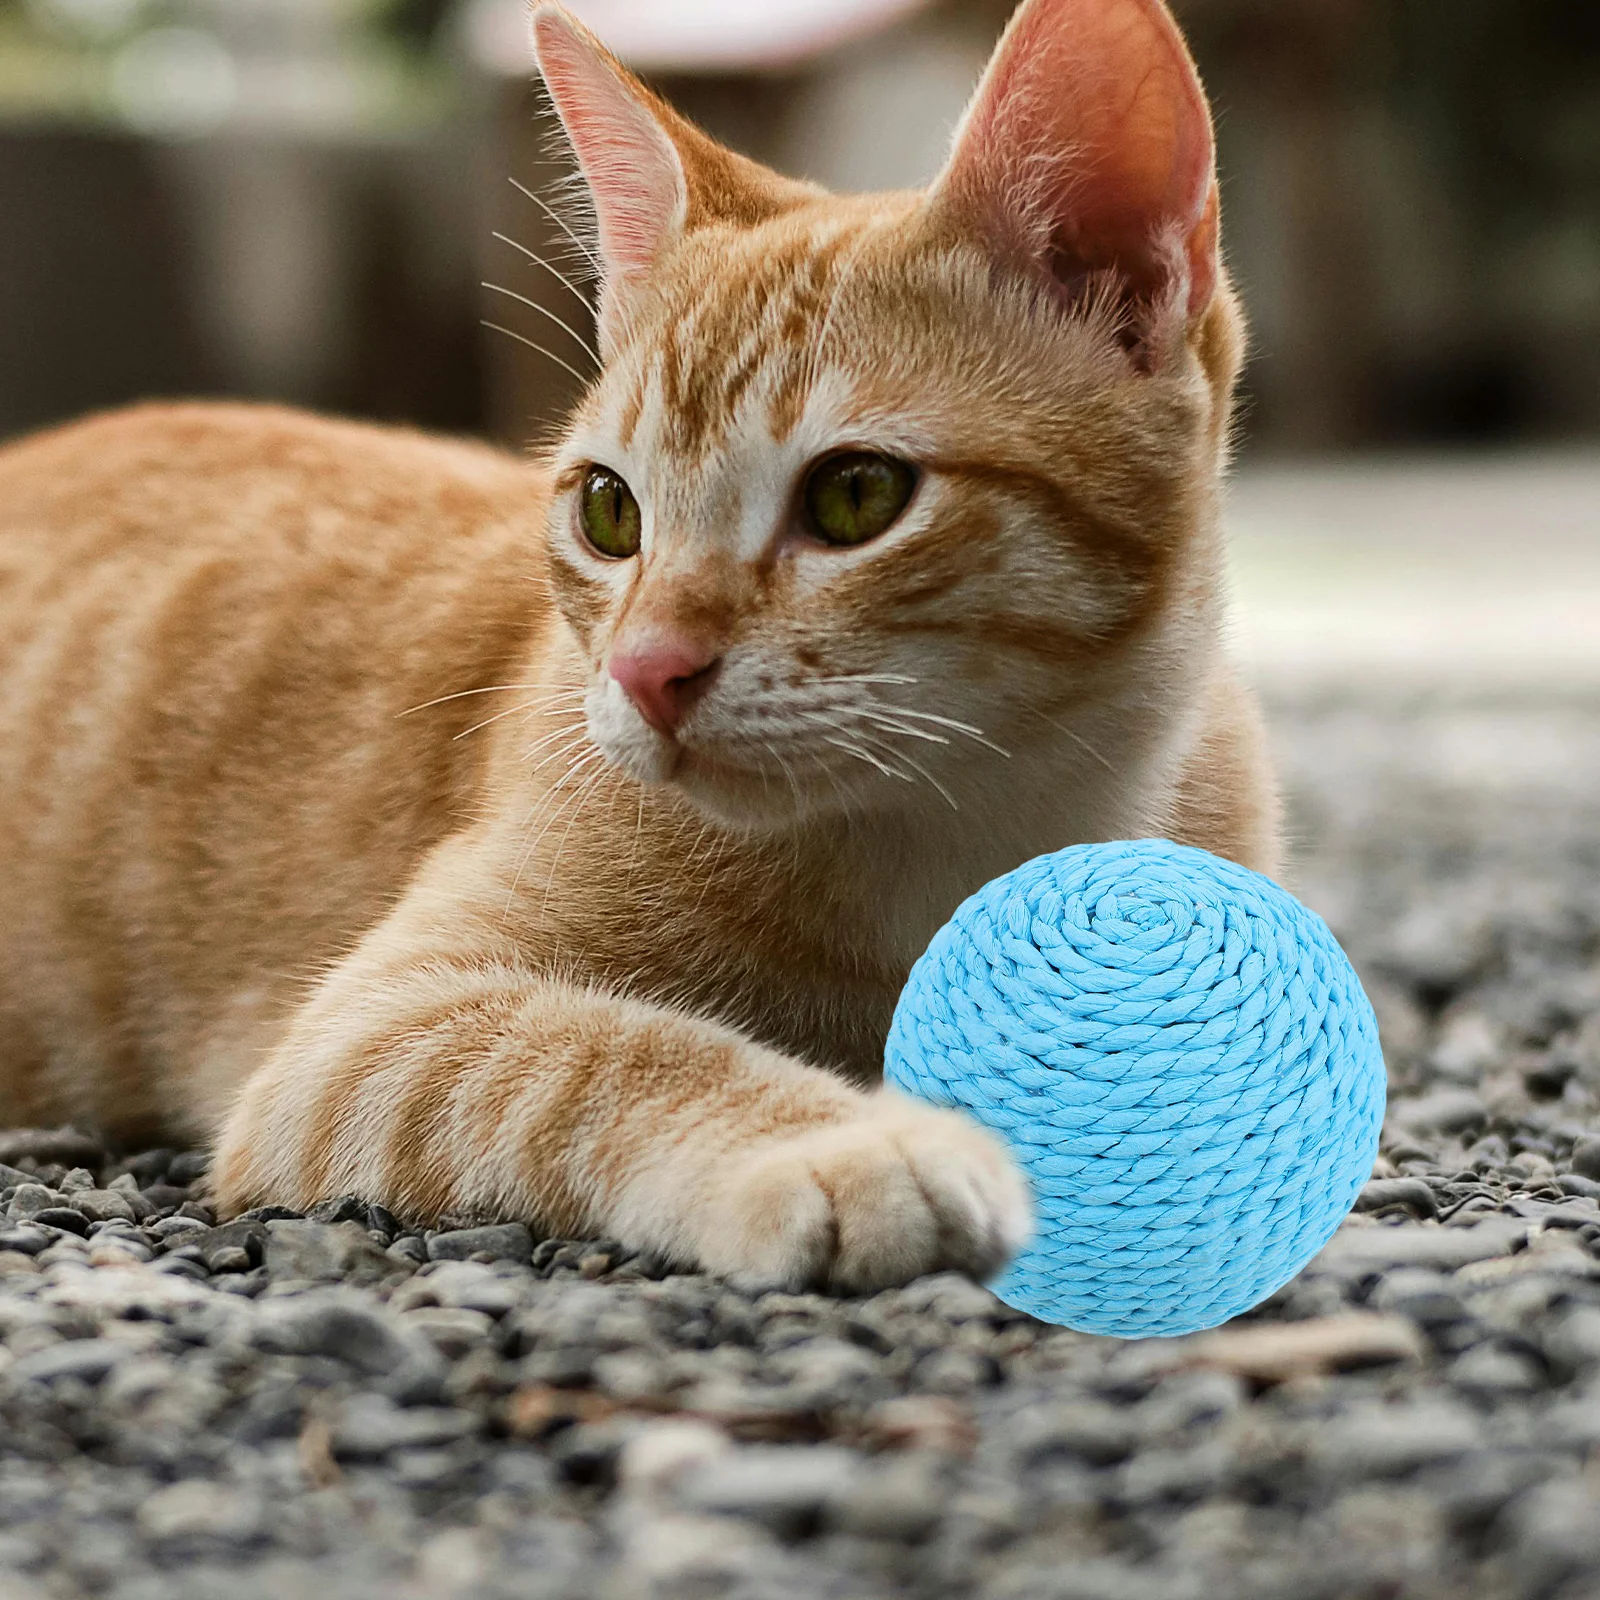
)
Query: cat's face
[{"x": 870, "y": 496}]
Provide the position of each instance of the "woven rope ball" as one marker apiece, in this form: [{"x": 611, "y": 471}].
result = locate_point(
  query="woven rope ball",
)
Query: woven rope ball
[{"x": 1181, "y": 1059}]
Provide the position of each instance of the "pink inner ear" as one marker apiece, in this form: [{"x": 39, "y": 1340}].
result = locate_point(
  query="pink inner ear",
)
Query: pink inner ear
[
  {"x": 1091, "y": 139},
  {"x": 629, "y": 163}
]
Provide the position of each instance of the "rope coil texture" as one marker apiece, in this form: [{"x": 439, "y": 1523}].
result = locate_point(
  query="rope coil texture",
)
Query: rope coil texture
[{"x": 1180, "y": 1057}]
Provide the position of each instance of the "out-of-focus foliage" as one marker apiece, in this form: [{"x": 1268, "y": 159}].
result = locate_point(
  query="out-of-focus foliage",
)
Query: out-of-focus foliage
[{"x": 183, "y": 65}]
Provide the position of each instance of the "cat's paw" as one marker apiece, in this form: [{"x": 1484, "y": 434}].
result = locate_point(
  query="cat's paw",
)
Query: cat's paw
[{"x": 855, "y": 1206}]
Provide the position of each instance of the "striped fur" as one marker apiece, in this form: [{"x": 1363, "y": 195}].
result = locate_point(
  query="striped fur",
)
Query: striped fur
[{"x": 325, "y": 833}]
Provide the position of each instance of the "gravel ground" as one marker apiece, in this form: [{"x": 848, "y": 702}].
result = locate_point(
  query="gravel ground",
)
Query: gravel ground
[{"x": 334, "y": 1406}]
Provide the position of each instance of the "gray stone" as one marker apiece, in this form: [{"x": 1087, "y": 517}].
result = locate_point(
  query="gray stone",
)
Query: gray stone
[
  {"x": 370, "y": 1427},
  {"x": 1491, "y": 1372},
  {"x": 58, "y": 1146},
  {"x": 1411, "y": 1194},
  {"x": 1193, "y": 1399},
  {"x": 1389, "y": 1441},
  {"x": 1085, "y": 1431},
  {"x": 233, "y": 1247},
  {"x": 1573, "y": 1421},
  {"x": 1423, "y": 1294},
  {"x": 1442, "y": 1111},
  {"x": 1554, "y": 1530},
  {"x": 170, "y": 1228},
  {"x": 104, "y": 1205},
  {"x": 196, "y": 1509},
  {"x": 451, "y": 1329},
  {"x": 951, "y": 1296},
  {"x": 1586, "y": 1157},
  {"x": 783, "y": 1489},
  {"x": 470, "y": 1285},
  {"x": 67, "y": 1219},
  {"x": 1441, "y": 943},
  {"x": 953, "y": 1371},
  {"x": 29, "y": 1200},
  {"x": 1186, "y": 1475},
  {"x": 1378, "y": 1247},
  {"x": 1099, "y": 1578},
  {"x": 188, "y": 1167},
  {"x": 827, "y": 1371},
  {"x": 900, "y": 1499},
  {"x": 342, "y": 1324},
  {"x": 1572, "y": 1342},
  {"x": 507, "y": 1241},
  {"x": 26, "y": 1238},
  {"x": 88, "y": 1359},
  {"x": 319, "y": 1253}
]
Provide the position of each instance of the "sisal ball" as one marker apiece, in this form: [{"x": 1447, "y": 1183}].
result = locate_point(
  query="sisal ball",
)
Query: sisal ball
[{"x": 1182, "y": 1061}]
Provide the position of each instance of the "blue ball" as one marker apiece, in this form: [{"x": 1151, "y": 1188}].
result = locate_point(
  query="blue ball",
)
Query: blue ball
[{"x": 1181, "y": 1059}]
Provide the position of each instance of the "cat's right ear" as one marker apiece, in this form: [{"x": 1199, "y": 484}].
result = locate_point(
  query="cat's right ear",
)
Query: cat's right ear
[{"x": 632, "y": 167}]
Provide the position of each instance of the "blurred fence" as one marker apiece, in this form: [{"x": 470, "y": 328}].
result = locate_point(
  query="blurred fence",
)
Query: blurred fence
[{"x": 299, "y": 199}]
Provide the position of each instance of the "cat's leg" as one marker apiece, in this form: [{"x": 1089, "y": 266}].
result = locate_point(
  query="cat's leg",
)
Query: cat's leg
[{"x": 474, "y": 1086}]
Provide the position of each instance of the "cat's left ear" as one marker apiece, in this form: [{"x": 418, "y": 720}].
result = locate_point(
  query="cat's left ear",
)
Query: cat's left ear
[{"x": 1087, "y": 155}]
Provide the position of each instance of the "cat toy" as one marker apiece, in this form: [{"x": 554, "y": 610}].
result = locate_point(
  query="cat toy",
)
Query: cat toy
[{"x": 1182, "y": 1061}]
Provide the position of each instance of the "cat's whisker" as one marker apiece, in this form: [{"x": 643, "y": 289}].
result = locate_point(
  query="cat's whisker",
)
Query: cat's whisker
[
  {"x": 1077, "y": 738},
  {"x": 869, "y": 677},
  {"x": 550, "y": 267},
  {"x": 544, "y": 311},
  {"x": 916, "y": 766},
  {"x": 853, "y": 740},
  {"x": 977, "y": 735},
  {"x": 874, "y": 719},
  {"x": 562, "y": 700},
  {"x": 721, "y": 849},
  {"x": 575, "y": 742},
  {"x": 511, "y": 711},
  {"x": 580, "y": 765},
  {"x": 583, "y": 378},
  {"x": 894, "y": 724},
  {"x": 788, "y": 771},
  {"x": 462, "y": 694},
  {"x": 576, "y": 807},
  {"x": 638, "y": 833},
  {"x": 562, "y": 223},
  {"x": 851, "y": 748}
]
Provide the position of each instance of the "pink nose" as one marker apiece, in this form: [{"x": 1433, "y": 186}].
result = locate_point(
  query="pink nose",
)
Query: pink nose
[{"x": 664, "y": 675}]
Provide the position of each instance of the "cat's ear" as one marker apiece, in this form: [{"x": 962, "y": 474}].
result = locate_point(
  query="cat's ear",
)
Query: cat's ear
[
  {"x": 1087, "y": 152},
  {"x": 652, "y": 174},
  {"x": 631, "y": 165}
]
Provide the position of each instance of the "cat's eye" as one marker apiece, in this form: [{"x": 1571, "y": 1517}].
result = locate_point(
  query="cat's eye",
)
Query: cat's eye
[
  {"x": 854, "y": 497},
  {"x": 609, "y": 514}
]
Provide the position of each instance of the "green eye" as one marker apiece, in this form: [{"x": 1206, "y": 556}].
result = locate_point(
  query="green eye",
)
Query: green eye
[
  {"x": 609, "y": 514},
  {"x": 855, "y": 497}
]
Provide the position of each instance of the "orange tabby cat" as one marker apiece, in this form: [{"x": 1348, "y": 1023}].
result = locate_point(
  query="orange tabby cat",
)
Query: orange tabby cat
[{"x": 881, "y": 555}]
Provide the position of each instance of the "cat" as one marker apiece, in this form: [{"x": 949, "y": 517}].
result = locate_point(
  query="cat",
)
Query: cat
[{"x": 550, "y": 840}]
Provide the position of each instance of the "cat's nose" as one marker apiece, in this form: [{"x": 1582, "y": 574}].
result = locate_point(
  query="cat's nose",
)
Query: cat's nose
[{"x": 664, "y": 675}]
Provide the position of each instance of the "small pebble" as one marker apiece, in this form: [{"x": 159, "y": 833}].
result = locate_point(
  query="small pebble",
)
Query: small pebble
[
  {"x": 344, "y": 1405},
  {"x": 503, "y": 1242},
  {"x": 1586, "y": 1157}
]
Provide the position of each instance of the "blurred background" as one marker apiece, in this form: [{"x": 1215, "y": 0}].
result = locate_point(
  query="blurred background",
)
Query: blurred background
[{"x": 304, "y": 199}]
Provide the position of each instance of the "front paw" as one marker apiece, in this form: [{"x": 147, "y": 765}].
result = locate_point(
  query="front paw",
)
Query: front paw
[{"x": 900, "y": 1190}]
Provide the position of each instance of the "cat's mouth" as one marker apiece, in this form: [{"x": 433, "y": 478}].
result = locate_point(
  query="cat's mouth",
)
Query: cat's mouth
[
  {"x": 726, "y": 781},
  {"x": 757, "y": 771}
]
